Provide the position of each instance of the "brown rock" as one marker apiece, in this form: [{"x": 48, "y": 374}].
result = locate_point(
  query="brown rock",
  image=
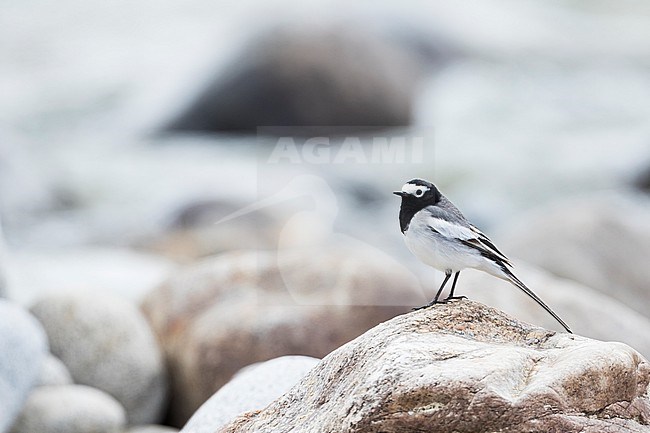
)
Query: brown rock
[
  {"x": 239, "y": 308},
  {"x": 464, "y": 367}
]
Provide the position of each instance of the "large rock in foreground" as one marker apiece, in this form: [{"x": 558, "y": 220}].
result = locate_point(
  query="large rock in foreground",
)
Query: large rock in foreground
[
  {"x": 236, "y": 309},
  {"x": 465, "y": 367}
]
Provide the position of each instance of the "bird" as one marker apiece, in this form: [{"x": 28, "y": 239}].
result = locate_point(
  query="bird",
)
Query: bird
[{"x": 439, "y": 235}]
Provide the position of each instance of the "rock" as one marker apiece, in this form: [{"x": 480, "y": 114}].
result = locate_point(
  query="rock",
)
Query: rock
[
  {"x": 70, "y": 409},
  {"x": 253, "y": 388},
  {"x": 465, "y": 367},
  {"x": 152, "y": 429},
  {"x": 602, "y": 242},
  {"x": 587, "y": 311},
  {"x": 239, "y": 308},
  {"x": 305, "y": 77},
  {"x": 23, "y": 346},
  {"x": 106, "y": 343},
  {"x": 54, "y": 372}
]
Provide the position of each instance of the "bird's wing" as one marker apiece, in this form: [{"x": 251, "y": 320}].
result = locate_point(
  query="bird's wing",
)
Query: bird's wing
[
  {"x": 485, "y": 243},
  {"x": 448, "y": 223},
  {"x": 451, "y": 226}
]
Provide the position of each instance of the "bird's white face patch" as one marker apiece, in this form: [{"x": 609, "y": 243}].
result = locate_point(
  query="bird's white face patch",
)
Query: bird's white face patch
[{"x": 415, "y": 190}]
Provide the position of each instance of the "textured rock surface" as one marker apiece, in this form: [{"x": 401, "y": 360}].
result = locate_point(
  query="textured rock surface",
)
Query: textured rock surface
[
  {"x": 465, "y": 367},
  {"x": 54, "y": 372},
  {"x": 236, "y": 309},
  {"x": 587, "y": 311},
  {"x": 70, "y": 409},
  {"x": 253, "y": 388},
  {"x": 23, "y": 347},
  {"x": 602, "y": 242},
  {"x": 308, "y": 77},
  {"x": 106, "y": 343}
]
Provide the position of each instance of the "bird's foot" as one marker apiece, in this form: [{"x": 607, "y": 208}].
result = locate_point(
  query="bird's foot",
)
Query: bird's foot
[
  {"x": 430, "y": 304},
  {"x": 452, "y": 298}
]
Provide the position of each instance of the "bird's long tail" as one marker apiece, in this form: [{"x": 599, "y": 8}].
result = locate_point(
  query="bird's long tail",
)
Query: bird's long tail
[{"x": 517, "y": 282}]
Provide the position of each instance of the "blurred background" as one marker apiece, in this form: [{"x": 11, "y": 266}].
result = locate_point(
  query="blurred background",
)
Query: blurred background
[{"x": 132, "y": 135}]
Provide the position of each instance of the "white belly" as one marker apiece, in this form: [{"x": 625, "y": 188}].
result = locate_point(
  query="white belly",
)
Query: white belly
[{"x": 439, "y": 252}]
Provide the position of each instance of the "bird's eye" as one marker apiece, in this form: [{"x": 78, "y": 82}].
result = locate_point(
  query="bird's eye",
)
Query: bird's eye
[{"x": 419, "y": 192}]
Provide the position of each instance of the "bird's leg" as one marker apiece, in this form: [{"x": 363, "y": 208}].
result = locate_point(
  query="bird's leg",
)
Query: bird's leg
[
  {"x": 453, "y": 287},
  {"x": 435, "y": 299}
]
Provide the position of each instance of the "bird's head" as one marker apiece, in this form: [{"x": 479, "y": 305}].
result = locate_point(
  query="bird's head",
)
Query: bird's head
[{"x": 419, "y": 192}]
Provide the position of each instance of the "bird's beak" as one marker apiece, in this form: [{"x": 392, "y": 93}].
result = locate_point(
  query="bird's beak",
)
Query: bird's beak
[{"x": 400, "y": 193}]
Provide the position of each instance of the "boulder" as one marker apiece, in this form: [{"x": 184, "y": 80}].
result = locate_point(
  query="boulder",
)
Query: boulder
[
  {"x": 306, "y": 80},
  {"x": 235, "y": 309},
  {"x": 602, "y": 242},
  {"x": 23, "y": 347},
  {"x": 70, "y": 409},
  {"x": 54, "y": 372},
  {"x": 464, "y": 367},
  {"x": 252, "y": 388},
  {"x": 106, "y": 343}
]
